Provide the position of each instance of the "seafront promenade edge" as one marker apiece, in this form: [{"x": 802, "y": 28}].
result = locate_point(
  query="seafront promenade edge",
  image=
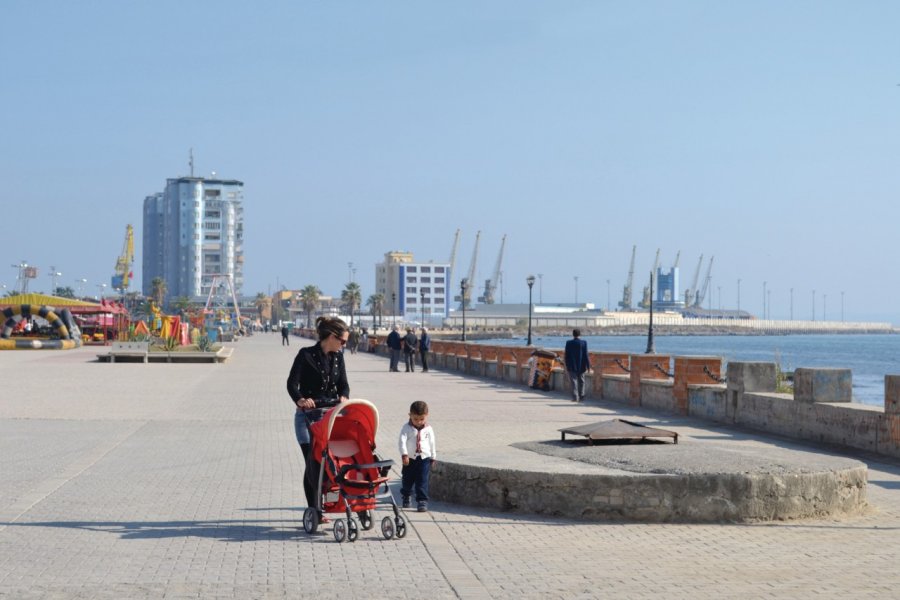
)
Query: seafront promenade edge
[{"x": 183, "y": 481}]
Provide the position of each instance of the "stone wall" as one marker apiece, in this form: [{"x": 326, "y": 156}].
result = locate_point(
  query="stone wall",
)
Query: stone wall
[{"x": 819, "y": 411}]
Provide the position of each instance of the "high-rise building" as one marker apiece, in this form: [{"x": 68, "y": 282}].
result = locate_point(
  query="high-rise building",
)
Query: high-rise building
[
  {"x": 413, "y": 291},
  {"x": 193, "y": 231}
]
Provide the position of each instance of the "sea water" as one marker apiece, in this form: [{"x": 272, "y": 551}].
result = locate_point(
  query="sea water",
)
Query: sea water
[{"x": 869, "y": 357}]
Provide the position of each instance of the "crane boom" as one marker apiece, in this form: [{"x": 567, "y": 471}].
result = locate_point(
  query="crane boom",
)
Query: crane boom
[
  {"x": 453, "y": 258},
  {"x": 122, "y": 278},
  {"x": 466, "y": 299},
  {"x": 625, "y": 303},
  {"x": 491, "y": 284},
  {"x": 677, "y": 258},
  {"x": 691, "y": 292},
  {"x": 698, "y": 302}
]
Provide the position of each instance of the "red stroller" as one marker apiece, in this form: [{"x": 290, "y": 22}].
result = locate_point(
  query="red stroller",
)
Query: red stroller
[{"x": 352, "y": 479}]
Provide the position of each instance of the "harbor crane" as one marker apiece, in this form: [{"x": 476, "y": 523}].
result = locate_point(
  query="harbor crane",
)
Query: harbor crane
[
  {"x": 466, "y": 301},
  {"x": 691, "y": 292},
  {"x": 121, "y": 280},
  {"x": 698, "y": 300},
  {"x": 452, "y": 260},
  {"x": 625, "y": 303},
  {"x": 645, "y": 301},
  {"x": 490, "y": 285},
  {"x": 677, "y": 258}
]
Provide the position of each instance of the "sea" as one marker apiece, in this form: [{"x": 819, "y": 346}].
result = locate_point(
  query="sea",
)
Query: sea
[{"x": 869, "y": 357}]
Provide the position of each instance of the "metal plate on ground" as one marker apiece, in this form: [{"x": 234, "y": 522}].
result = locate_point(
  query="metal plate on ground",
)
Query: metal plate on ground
[{"x": 618, "y": 429}]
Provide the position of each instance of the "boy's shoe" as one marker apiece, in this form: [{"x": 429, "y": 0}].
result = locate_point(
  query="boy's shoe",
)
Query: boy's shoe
[
  {"x": 406, "y": 503},
  {"x": 423, "y": 506}
]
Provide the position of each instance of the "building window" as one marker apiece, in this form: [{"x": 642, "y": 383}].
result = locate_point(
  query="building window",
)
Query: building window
[
  {"x": 439, "y": 300},
  {"x": 426, "y": 269},
  {"x": 410, "y": 280},
  {"x": 426, "y": 300},
  {"x": 426, "y": 290},
  {"x": 410, "y": 290},
  {"x": 411, "y": 269},
  {"x": 439, "y": 280},
  {"x": 425, "y": 280},
  {"x": 438, "y": 290},
  {"x": 439, "y": 269},
  {"x": 411, "y": 300}
]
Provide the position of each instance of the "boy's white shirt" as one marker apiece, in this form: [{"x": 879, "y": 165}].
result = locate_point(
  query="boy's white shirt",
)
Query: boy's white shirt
[{"x": 408, "y": 441}]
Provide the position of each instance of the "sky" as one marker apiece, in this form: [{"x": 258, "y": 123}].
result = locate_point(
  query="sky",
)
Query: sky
[{"x": 765, "y": 134}]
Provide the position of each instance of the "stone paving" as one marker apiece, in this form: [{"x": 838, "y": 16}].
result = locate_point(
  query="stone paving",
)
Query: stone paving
[{"x": 183, "y": 481}]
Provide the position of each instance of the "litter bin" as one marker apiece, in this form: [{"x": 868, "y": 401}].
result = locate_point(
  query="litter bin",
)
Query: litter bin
[{"x": 542, "y": 362}]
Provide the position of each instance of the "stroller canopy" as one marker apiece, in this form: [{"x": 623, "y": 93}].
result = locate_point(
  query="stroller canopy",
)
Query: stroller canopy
[{"x": 352, "y": 419}]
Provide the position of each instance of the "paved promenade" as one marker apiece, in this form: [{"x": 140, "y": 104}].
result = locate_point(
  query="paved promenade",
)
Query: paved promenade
[{"x": 183, "y": 481}]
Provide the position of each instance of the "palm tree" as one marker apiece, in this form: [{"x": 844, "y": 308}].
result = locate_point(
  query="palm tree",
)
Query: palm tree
[
  {"x": 352, "y": 296},
  {"x": 263, "y": 306},
  {"x": 375, "y": 304},
  {"x": 182, "y": 304},
  {"x": 158, "y": 290},
  {"x": 309, "y": 299}
]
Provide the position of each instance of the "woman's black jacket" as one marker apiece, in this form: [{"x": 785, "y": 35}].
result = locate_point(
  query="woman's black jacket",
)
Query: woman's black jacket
[{"x": 309, "y": 376}]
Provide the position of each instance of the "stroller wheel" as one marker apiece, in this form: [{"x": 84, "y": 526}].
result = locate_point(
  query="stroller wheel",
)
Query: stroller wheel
[
  {"x": 387, "y": 528},
  {"x": 365, "y": 519},
  {"x": 401, "y": 528},
  {"x": 352, "y": 530},
  {"x": 310, "y": 520},
  {"x": 340, "y": 530}
]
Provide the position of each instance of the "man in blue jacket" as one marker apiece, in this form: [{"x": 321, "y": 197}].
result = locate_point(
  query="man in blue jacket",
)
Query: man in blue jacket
[
  {"x": 577, "y": 364},
  {"x": 394, "y": 344}
]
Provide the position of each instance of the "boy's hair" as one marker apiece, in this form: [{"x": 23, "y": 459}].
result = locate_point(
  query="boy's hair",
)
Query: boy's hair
[{"x": 418, "y": 408}]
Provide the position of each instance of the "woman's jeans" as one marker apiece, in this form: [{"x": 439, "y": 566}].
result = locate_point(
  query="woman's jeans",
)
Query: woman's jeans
[
  {"x": 416, "y": 475},
  {"x": 302, "y": 421}
]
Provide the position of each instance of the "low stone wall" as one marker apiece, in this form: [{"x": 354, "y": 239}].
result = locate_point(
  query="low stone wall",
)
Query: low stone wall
[{"x": 819, "y": 411}]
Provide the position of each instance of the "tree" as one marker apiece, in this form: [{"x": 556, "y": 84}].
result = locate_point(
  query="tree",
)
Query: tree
[
  {"x": 64, "y": 292},
  {"x": 375, "y": 304},
  {"x": 158, "y": 290},
  {"x": 263, "y": 306},
  {"x": 182, "y": 304},
  {"x": 352, "y": 297},
  {"x": 309, "y": 299}
]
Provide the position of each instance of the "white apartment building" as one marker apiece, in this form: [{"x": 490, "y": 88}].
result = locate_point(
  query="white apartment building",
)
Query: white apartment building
[{"x": 414, "y": 291}]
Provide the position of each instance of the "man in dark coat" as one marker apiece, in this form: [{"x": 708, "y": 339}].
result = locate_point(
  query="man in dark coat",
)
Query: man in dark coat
[
  {"x": 424, "y": 348},
  {"x": 409, "y": 349},
  {"x": 285, "y": 341},
  {"x": 577, "y": 364},
  {"x": 394, "y": 345}
]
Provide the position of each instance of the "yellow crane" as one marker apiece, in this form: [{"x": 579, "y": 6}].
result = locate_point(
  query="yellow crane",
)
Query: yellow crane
[{"x": 123, "y": 274}]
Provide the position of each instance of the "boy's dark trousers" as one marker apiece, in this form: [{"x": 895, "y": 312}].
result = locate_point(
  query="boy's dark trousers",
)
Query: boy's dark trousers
[
  {"x": 424, "y": 355},
  {"x": 416, "y": 475}
]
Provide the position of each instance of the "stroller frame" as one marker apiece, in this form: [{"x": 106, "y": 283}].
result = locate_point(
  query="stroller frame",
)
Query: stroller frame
[{"x": 352, "y": 480}]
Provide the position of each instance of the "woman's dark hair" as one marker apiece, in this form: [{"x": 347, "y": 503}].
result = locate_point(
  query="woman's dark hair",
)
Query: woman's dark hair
[{"x": 326, "y": 326}]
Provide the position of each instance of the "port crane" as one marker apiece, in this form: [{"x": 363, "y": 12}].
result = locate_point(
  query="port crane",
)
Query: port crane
[
  {"x": 691, "y": 292},
  {"x": 122, "y": 279},
  {"x": 452, "y": 260},
  {"x": 625, "y": 303},
  {"x": 466, "y": 300},
  {"x": 645, "y": 302},
  {"x": 698, "y": 300},
  {"x": 490, "y": 285}
]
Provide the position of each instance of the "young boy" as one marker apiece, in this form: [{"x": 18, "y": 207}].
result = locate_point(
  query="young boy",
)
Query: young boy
[{"x": 418, "y": 449}]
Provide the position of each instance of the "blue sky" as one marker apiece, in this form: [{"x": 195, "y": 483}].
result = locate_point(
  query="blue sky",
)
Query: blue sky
[{"x": 764, "y": 133}]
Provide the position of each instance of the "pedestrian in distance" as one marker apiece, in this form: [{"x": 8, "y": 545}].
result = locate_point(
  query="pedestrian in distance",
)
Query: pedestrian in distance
[
  {"x": 317, "y": 381},
  {"x": 424, "y": 349},
  {"x": 395, "y": 346},
  {"x": 284, "y": 336},
  {"x": 409, "y": 350},
  {"x": 577, "y": 364},
  {"x": 418, "y": 451},
  {"x": 364, "y": 340},
  {"x": 353, "y": 342}
]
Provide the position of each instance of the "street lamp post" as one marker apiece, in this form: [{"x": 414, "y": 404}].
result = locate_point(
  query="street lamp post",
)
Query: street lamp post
[
  {"x": 540, "y": 288},
  {"x": 101, "y": 287},
  {"x": 422, "y": 299},
  {"x": 576, "y": 289},
  {"x": 463, "y": 286},
  {"x": 651, "y": 348},
  {"x": 530, "y": 281},
  {"x": 393, "y": 308}
]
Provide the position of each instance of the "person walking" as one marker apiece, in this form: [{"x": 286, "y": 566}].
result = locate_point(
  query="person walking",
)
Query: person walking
[
  {"x": 364, "y": 340},
  {"x": 577, "y": 364},
  {"x": 284, "y": 336},
  {"x": 418, "y": 450},
  {"x": 409, "y": 350},
  {"x": 317, "y": 381},
  {"x": 394, "y": 345},
  {"x": 424, "y": 348}
]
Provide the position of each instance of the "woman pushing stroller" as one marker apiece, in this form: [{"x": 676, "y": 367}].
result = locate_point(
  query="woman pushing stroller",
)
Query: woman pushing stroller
[{"x": 318, "y": 381}]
